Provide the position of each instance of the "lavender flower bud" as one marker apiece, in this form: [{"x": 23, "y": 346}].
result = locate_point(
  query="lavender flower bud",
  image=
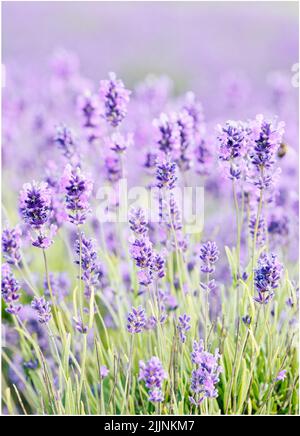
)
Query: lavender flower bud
[
  {"x": 10, "y": 289},
  {"x": 153, "y": 374},
  {"x": 183, "y": 326},
  {"x": 166, "y": 174},
  {"x": 35, "y": 204}
]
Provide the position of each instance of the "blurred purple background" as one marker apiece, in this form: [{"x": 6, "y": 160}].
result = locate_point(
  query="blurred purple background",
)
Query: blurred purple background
[{"x": 193, "y": 42}]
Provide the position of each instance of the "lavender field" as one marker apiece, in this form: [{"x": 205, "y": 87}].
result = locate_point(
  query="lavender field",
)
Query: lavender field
[{"x": 150, "y": 208}]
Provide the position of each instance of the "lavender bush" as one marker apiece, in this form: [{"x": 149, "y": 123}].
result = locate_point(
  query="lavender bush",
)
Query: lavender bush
[{"x": 137, "y": 314}]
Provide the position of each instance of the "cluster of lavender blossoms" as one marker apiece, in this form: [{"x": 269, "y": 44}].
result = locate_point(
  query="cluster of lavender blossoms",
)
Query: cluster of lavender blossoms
[
  {"x": 42, "y": 308},
  {"x": 78, "y": 189},
  {"x": 183, "y": 326},
  {"x": 136, "y": 320},
  {"x": 153, "y": 374},
  {"x": 115, "y": 99},
  {"x": 266, "y": 278},
  {"x": 11, "y": 244},
  {"x": 206, "y": 375},
  {"x": 35, "y": 209},
  {"x": 10, "y": 290}
]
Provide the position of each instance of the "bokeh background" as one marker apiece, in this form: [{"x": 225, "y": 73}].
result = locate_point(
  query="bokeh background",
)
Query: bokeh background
[{"x": 200, "y": 45}]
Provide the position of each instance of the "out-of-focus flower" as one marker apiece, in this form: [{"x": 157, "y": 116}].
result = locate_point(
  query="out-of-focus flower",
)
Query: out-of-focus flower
[
  {"x": 103, "y": 371},
  {"x": 266, "y": 278},
  {"x": 10, "y": 289},
  {"x": 169, "y": 133},
  {"x": 115, "y": 99},
  {"x": 281, "y": 375},
  {"x": 11, "y": 242},
  {"x": 120, "y": 143},
  {"x": 80, "y": 326},
  {"x": 153, "y": 374},
  {"x": 136, "y": 320},
  {"x": 183, "y": 326},
  {"x": 64, "y": 138},
  {"x": 43, "y": 309}
]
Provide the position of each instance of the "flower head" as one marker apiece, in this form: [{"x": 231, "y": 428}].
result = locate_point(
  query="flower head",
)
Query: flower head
[
  {"x": 115, "y": 98},
  {"x": 266, "y": 278},
  {"x": 9, "y": 289},
  {"x": 35, "y": 204},
  {"x": 183, "y": 326},
  {"x": 138, "y": 222},
  {"x": 136, "y": 320},
  {"x": 209, "y": 254},
  {"x": 78, "y": 189},
  {"x": 153, "y": 374},
  {"x": 65, "y": 140},
  {"x": 206, "y": 375},
  {"x": 43, "y": 309},
  {"x": 166, "y": 173},
  {"x": 11, "y": 242}
]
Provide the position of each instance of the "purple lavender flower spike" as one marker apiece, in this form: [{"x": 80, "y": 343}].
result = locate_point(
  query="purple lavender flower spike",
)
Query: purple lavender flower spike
[
  {"x": 183, "y": 326},
  {"x": 138, "y": 222},
  {"x": 65, "y": 140},
  {"x": 11, "y": 242},
  {"x": 153, "y": 374},
  {"x": 115, "y": 98},
  {"x": 141, "y": 251},
  {"x": 35, "y": 204},
  {"x": 209, "y": 254},
  {"x": 195, "y": 110},
  {"x": 266, "y": 278},
  {"x": 232, "y": 140},
  {"x": 166, "y": 174},
  {"x": 169, "y": 133},
  {"x": 157, "y": 266},
  {"x": 136, "y": 320},
  {"x": 206, "y": 375},
  {"x": 89, "y": 110},
  {"x": 10, "y": 289},
  {"x": 78, "y": 190},
  {"x": 80, "y": 327},
  {"x": 43, "y": 309}
]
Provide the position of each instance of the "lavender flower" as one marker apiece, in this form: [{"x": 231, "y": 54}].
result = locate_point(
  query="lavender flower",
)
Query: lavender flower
[
  {"x": 11, "y": 241},
  {"x": 266, "y": 278},
  {"x": 183, "y": 326},
  {"x": 115, "y": 98},
  {"x": 10, "y": 289},
  {"x": 43, "y": 309},
  {"x": 261, "y": 228},
  {"x": 153, "y": 374},
  {"x": 209, "y": 254},
  {"x": 89, "y": 109},
  {"x": 267, "y": 137},
  {"x": 206, "y": 375},
  {"x": 186, "y": 140},
  {"x": 78, "y": 189},
  {"x": 246, "y": 319},
  {"x": 141, "y": 252},
  {"x": 113, "y": 168},
  {"x": 35, "y": 204},
  {"x": 59, "y": 285},
  {"x": 80, "y": 327},
  {"x": 103, "y": 371},
  {"x": 120, "y": 143},
  {"x": 157, "y": 266},
  {"x": 281, "y": 375},
  {"x": 64, "y": 139},
  {"x": 91, "y": 269},
  {"x": 169, "y": 133},
  {"x": 136, "y": 320},
  {"x": 195, "y": 110},
  {"x": 138, "y": 222},
  {"x": 166, "y": 173}
]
